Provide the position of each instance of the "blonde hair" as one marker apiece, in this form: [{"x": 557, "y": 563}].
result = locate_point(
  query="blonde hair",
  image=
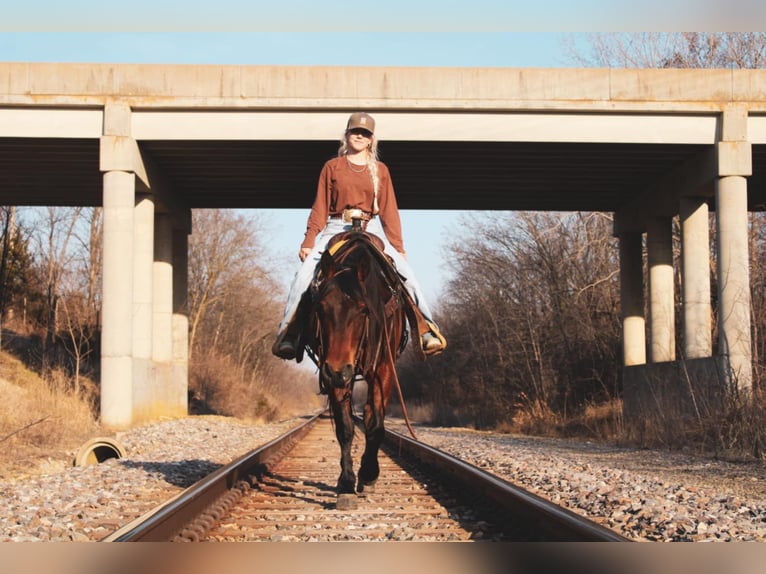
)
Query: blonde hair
[{"x": 372, "y": 164}]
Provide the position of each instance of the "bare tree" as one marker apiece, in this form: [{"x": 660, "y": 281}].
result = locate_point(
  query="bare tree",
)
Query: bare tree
[
  {"x": 234, "y": 311},
  {"x": 9, "y": 225},
  {"x": 55, "y": 230},
  {"x": 531, "y": 314},
  {"x": 225, "y": 250},
  {"x": 78, "y": 328},
  {"x": 671, "y": 50},
  {"x": 94, "y": 262}
]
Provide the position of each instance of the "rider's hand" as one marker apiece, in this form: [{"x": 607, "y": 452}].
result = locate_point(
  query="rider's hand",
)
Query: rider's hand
[{"x": 303, "y": 253}]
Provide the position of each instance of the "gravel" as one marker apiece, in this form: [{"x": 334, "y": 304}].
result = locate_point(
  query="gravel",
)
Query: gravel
[
  {"x": 642, "y": 494},
  {"x": 87, "y": 503}
]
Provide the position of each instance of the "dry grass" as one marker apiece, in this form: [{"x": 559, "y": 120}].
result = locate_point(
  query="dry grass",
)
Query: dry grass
[
  {"x": 598, "y": 421},
  {"x": 41, "y": 423},
  {"x": 218, "y": 387}
]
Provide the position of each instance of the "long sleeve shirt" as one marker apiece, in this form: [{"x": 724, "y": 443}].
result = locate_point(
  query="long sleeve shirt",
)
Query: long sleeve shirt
[{"x": 342, "y": 186}]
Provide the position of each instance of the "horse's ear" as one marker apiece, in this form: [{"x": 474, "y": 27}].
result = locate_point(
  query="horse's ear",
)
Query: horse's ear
[
  {"x": 326, "y": 264},
  {"x": 363, "y": 268}
]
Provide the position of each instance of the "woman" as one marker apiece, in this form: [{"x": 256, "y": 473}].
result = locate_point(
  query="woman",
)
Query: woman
[{"x": 353, "y": 179}]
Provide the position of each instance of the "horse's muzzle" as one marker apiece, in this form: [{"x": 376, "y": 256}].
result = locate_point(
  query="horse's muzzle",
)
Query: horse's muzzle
[{"x": 340, "y": 378}]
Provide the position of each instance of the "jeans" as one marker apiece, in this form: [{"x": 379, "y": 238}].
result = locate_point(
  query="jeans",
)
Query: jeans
[{"x": 305, "y": 273}]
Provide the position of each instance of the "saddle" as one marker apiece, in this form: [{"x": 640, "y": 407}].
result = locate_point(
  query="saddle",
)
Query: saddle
[{"x": 338, "y": 247}]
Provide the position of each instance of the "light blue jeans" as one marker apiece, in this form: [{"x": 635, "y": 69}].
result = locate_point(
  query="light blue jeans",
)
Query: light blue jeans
[{"x": 305, "y": 273}]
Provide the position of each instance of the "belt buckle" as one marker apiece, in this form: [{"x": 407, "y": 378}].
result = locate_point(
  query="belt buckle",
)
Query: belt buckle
[{"x": 349, "y": 214}]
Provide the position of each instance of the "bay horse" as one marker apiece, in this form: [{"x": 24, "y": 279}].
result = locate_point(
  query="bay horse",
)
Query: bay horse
[{"x": 357, "y": 319}]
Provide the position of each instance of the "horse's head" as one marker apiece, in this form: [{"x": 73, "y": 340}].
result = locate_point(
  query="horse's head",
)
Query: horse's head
[{"x": 345, "y": 296}]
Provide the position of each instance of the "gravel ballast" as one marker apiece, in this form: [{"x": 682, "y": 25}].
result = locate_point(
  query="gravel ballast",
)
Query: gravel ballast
[{"x": 642, "y": 494}]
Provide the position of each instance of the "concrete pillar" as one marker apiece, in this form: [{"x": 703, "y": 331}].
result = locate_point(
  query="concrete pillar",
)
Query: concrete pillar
[
  {"x": 734, "y": 278},
  {"x": 143, "y": 258},
  {"x": 162, "y": 336},
  {"x": 632, "y": 299},
  {"x": 117, "y": 300},
  {"x": 170, "y": 382},
  {"x": 734, "y": 155},
  {"x": 661, "y": 299},
  {"x": 181, "y": 315},
  {"x": 695, "y": 265}
]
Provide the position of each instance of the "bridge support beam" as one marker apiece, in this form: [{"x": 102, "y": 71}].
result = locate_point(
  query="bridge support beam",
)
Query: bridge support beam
[
  {"x": 734, "y": 164},
  {"x": 632, "y": 296},
  {"x": 144, "y": 371},
  {"x": 117, "y": 300},
  {"x": 162, "y": 275},
  {"x": 658, "y": 398},
  {"x": 734, "y": 278},
  {"x": 143, "y": 254},
  {"x": 180, "y": 318},
  {"x": 659, "y": 243},
  {"x": 695, "y": 277}
]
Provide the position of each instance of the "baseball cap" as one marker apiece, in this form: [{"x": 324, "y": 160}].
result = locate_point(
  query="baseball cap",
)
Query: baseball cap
[{"x": 361, "y": 120}]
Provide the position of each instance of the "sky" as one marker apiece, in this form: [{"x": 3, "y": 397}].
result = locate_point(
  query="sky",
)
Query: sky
[{"x": 389, "y": 16}]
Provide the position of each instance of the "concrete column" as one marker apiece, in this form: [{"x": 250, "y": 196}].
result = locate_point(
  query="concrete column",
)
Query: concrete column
[
  {"x": 162, "y": 336},
  {"x": 661, "y": 299},
  {"x": 170, "y": 382},
  {"x": 117, "y": 300},
  {"x": 734, "y": 278},
  {"x": 143, "y": 257},
  {"x": 181, "y": 316},
  {"x": 735, "y": 161},
  {"x": 180, "y": 286},
  {"x": 144, "y": 403},
  {"x": 632, "y": 299},
  {"x": 695, "y": 256}
]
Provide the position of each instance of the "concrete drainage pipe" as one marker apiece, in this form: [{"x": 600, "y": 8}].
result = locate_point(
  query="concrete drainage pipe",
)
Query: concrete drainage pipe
[{"x": 98, "y": 450}]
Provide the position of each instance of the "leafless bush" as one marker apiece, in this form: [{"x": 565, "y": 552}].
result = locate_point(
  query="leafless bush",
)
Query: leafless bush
[
  {"x": 218, "y": 386},
  {"x": 532, "y": 320},
  {"x": 739, "y": 432}
]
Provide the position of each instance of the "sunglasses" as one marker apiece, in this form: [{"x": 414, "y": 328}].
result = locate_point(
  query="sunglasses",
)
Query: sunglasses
[{"x": 360, "y": 132}]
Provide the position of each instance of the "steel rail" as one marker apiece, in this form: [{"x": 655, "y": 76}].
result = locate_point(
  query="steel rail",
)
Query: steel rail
[
  {"x": 220, "y": 488},
  {"x": 558, "y": 523},
  {"x": 187, "y": 515}
]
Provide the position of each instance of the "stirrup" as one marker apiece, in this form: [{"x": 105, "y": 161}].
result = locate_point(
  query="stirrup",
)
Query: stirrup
[{"x": 432, "y": 341}]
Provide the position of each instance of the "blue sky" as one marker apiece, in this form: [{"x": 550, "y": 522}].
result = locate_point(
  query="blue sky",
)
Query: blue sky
[
  {"x": 390, "y": 16},
  {"x": 530, "y": 49}
]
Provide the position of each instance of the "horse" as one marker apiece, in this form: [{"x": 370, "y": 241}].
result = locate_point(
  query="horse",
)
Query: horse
[{"x": 358, "y": 311}]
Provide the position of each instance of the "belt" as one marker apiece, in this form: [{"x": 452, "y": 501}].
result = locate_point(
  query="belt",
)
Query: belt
[{"x": 350, "y": 214}]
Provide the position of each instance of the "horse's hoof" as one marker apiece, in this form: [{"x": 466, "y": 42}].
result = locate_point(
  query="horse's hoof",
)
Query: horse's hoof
[
  {"x": 366, "y": 487},
  {"x": 346, "y": 502}
]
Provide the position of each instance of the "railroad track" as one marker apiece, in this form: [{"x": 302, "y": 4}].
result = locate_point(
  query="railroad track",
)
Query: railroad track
[{"x": 284, "y": 491}]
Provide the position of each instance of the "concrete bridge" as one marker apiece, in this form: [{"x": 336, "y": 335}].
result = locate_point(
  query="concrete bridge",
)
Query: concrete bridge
[{"x": 151, "y": 142}]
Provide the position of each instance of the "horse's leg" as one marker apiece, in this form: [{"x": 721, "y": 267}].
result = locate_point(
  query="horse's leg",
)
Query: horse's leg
[
  {"x": 378, "y": 393},
  {"x": 340, "y": 400}
]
